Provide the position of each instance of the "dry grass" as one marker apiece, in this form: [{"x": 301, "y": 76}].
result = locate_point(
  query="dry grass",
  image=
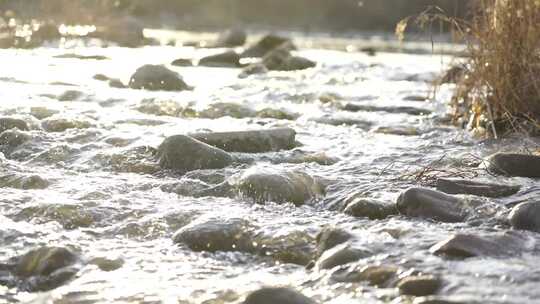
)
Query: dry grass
[{"x": 500, "y": 91}]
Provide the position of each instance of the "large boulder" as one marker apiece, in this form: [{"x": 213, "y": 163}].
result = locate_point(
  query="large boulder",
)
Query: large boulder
[
  {"x": 183, "y": 153},
  {"x": 257, "y": 141},
  {"x": 279, "y": 295},
  {"x": 526, "y": 216},
  {"x": 157, "y": 78},
  {"x": 261, "y": 185},
  {"x": 512, "y": 164},
  {"x": 216, "y": 234},
  {"x": 430, "y": 204},
  {"x": 267, "y": 44},
  {"x": 229, "y": 59}
]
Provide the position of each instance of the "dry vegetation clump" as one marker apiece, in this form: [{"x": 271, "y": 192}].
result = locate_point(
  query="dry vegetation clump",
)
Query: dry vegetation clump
[{"x": 500, "y": 90}]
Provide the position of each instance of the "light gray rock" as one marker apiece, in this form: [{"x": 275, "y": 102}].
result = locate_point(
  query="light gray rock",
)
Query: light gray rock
[
  {"x": 526, "y": 216},
  {"x": 257, "y": 141},
  {"x": 460, "y": 186},
  {"x": 430, "y": 204},
  {"x": 512, "y": 164}
]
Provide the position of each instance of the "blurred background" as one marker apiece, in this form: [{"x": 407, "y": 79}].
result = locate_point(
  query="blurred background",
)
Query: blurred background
[{"x": 299, "y": 15}]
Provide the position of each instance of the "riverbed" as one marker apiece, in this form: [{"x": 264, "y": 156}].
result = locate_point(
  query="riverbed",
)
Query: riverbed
[{"x": 104, "y": 198}]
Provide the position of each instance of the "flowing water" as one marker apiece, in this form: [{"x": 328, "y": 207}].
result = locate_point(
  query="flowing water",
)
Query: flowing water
[{"x": 105, "y": 197}]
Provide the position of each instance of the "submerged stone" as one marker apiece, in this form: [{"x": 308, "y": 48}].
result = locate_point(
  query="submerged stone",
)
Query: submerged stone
[
  {"x": 257, "y": 141},
  {"x": 280, "y": 186},
  {"x": 279, "y": 295},
  {"x": 62, "y": 124},
  {"x": 374, "y": 210},
  {"x": 216, "y": 234},
  {"x": 253, "y": 69},
  {"x": 375, "y": 275},
  {"x": 229, "y": 59},
  {"x": 7, "y": 123},
  {"x": 468, "y": 245},
  {"x": 455, "y": 186},
  {"x": 419, "y": 286},
  {"x": 157, "y": 78},
  {"x": 25, "y": 182},
  {"x": 511, "y": 164},
  {"x": 353, "y": 107},
  {"x": 329, "y": 237},
  {"x": 183, "y": 153},
  {"x": 430, "y": 204},
  {"x": 340, "y": 255},
  {"x": 526, "y": 216},
  {"x": 223, "y": 109},
  {"x": 44, "y": 261}
]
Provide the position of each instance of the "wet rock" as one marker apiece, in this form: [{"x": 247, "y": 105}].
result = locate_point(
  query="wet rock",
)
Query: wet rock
[
  {"x": 353, "y": 107},
  {"x": 253, "y": 69},
  {"x": 45, "y": 268},
  {"x": 106, "y": 264},
  {"x": 277, "y": 114},
  {"x": 62, "y": 124},
  {"x": 157, "y": 78},
  {"x": 70, "y": 95},
  {"x": 216, "y": 234},
  {"x": 81, "y": 57},
  {"x": 297, "y": 156},
  {"x": 163, "y": 108},
  {"x": 117, "y": 83},
  {"x": 224, "y": 109},
  {"x": 268, "y": 44},
  {"x": 339, "y": 120},
  {"x": 329, "y": 237},
  {"x": 182, "y": 62},
  {"x": 101, "y": 77},
  {"x": 342, "y": 254},
  {"x": 257, "y": 141},
  {"x": 430, "y": 204},
  {"x": 279, "y": 295},
  {"x": 512, "y": 164},
  {"x": 183, "y": 153},
  {"x": 455, "y": 186},
  {"x": 281, "y": 59},
  {"x": 261, "y": 185},
  {"x": 374, "y": 210},
  {"x": 397, "y": 130},
  {"x": 469, "y": 245},
  {"x": 139, "y": 160},
  {"x": 293, "y": 247},
  {"x": 25, "y": 182},
  {"x": 231, "y": 38},
  {"x": 419, "y": 286},
  {"x": 526, "y": 216},
  {"x": 69, "y": 216},
  {"x": 7, "y": 123},
  {"x": 11, "y": 139},
  {"x": 375, "y": 275},
  {"x": 229, "y": 59}
]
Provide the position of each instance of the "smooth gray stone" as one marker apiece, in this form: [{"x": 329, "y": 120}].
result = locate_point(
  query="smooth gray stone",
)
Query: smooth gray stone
[
  {"x": 430, "y": 204},
  {"x": 183, "y": 153},
  {"x": 269, "y": 295},
  {"x": 374, "y": 210},
  {"x": 7, "y": 123},
  {"x": 266, "y": 45},
  {"x": 329, "y": 237},
  {"x": 455, "y": 186},
  {"x": 469, "y": 245},
  {"x": 419, "y": 286},
  {"x": 526, "y": 216},
  {"x": 258, "y": 141},
  {"x": 157, "y": 78},
  {"x": 228, "y": 59},
  {"x": 512, "y": 164},
  {"x": 340, "y": 255}
]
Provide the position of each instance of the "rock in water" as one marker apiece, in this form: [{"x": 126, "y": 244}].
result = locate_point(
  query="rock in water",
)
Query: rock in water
[
  {"x": 280, "y": 295},
  {"x": 419, "y": 286},
  {"x": 329, "y": 237},
  {"x": 228, "y": 59},
  {"x": 341, "y": 255},
  {"x": 7, "y": 123},
  {"x": 157, "y": 77},
  {"x": 526, "y": 216},
  {"x": 216, "y": 235},
  {"x": 183, "y": 153},
  {"x": 430, "y": 204},
  {"x": 511, "y": 164},
  {"x": 468, "y": 245},
  {"x": 281, "y": 59},
  {"x": 258, "y": 141},
  {"x": 268, "y": 44},
  {"x": 253, "y": 69},
  {"x": 454, "y": 186},
  {"x": 371, "y": 209},
  {"x": 295, "y": 187},
  {"x": 231, "y": 38}
]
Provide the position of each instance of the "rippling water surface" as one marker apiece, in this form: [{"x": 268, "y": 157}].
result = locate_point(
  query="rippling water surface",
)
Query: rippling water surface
[{"x": 104, "y": 196}]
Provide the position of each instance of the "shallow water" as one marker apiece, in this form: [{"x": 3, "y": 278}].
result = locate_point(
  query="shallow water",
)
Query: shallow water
[{"x": 105, "y": 201}]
